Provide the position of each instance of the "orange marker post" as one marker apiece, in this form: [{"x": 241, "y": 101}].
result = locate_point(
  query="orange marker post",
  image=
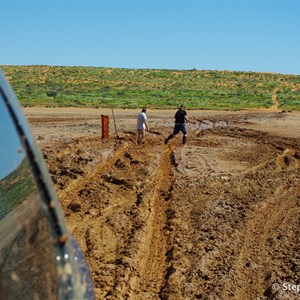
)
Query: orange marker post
[{"x": 105, "y": 126}]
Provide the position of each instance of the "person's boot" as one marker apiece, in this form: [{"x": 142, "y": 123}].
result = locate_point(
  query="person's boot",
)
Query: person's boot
[
  {"x": 169, "y": 137},
  {"x": 184, "y": 140}
]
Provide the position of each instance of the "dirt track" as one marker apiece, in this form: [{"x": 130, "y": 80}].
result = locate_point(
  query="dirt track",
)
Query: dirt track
[{"x": 216, "y": 219}]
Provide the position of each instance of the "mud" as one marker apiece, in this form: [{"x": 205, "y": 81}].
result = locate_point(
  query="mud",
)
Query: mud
[{"x": 218, "y": 218}]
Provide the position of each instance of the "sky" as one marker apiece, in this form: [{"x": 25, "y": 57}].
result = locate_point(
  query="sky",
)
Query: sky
[{"x": 239, "y": 35}]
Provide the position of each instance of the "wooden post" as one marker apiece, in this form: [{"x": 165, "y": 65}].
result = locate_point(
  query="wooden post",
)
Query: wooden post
[{"x": 105, "y": 126}]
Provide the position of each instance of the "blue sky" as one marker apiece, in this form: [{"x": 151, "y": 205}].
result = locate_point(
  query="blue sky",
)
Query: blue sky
[{"x": 240, "y": 35}]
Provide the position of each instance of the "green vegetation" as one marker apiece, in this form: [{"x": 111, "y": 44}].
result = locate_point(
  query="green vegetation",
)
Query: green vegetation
[
  {"x": 15, "y": 187},
  {"x": 135, "y": 88}
]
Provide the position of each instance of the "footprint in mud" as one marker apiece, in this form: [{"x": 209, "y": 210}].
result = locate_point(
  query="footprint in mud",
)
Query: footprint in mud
[
  {"x": 131, "y": 159},
  {"x": 74, "y": 206},
  {"x": 289, "y": 158},
  {"x": 120, "y": 164},
  {"x": 115, "y": 180}
]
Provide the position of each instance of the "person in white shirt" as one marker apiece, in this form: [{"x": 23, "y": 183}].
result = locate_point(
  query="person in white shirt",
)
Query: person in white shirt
[{"x": 141, "y": 125}]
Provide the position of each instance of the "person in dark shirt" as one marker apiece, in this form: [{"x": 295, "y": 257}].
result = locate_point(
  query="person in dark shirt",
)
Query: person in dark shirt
[{"x": 180, "y": 119}]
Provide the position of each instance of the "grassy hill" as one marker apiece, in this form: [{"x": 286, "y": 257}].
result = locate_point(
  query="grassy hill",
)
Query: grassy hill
[
  {"x": 135, "y": 88},
  {"x": 15, "y": 187}
]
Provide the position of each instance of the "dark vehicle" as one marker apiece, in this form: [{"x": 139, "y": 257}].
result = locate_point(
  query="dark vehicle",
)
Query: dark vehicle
[{"x": 39, "y": 258}]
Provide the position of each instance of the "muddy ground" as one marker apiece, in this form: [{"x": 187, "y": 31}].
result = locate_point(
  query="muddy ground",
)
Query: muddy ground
[{"x": 216, "y": 219}]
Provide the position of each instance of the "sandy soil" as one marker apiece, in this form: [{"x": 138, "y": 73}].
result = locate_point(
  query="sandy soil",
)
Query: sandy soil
[{"x": 216, "y": 219}]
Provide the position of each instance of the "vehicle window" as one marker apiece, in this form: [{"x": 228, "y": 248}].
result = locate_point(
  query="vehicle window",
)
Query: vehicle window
[{"x": 27, "y": 253}]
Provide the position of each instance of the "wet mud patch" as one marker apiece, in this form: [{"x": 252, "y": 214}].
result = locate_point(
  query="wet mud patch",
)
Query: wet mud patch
[{"x": 216, "y": 219}]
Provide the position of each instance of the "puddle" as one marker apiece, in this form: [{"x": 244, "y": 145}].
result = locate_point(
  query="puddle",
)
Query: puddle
[
  {"x": 201, "y": 125},
  {"x": 208, "y": 124}
]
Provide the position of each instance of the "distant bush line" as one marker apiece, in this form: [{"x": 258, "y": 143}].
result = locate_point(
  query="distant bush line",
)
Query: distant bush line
[{"x": 56, "y": 86}]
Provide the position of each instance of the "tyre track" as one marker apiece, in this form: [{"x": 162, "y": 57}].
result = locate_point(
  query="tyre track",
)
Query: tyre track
[
  {"x": 187, "y": 223},
  {"x": 146, "y": 251},
  {"x": 117, "y": 212}
]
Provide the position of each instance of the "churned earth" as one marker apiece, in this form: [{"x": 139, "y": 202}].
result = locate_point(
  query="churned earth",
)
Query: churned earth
[{"x": 218, "y": 218}]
